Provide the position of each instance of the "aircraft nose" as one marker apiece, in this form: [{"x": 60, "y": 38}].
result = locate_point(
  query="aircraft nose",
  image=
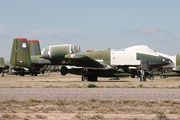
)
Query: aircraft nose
[{"x": 167, "y": 60}]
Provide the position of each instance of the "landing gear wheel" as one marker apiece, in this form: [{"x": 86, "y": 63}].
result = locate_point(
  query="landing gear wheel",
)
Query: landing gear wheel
[
  {"x": 162, "y": 77},
  {"x": 142, "y": 79},
  {"x": 133, "y": 76},
  {"x": 84, "y": 78},
  {"x": 21, "y": 74},
  {"x": 89, "y": 78},
  {"x": 151, "y": 78}
]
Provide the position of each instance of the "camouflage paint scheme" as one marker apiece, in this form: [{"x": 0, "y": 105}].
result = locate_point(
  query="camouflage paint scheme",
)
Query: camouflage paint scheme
[
  {"x": 34, "y": 47},
  {"x": 104, "y": 61},
  {"x": 21, "y": 56},
  {"x": 177, "y": 68},
  {"x": 92, "y": 64},
  {"x": 20, "y": 53},
  {"x": 2, "y": 63},
  {"x": 153, "y": 61},
  {"x": 99, "y": 63}
]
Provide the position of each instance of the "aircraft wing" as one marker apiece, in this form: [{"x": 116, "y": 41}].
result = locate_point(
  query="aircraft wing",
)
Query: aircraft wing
[{"x": 83, "y": 61}]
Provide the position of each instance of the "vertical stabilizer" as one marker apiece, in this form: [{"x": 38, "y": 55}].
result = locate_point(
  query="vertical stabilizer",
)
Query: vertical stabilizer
[
  {"x": 2, "y": 63},
  {"x": 177, "y": 60},
  {"x": 20, "y": 55},
  {"x": 34, "y": 47}
]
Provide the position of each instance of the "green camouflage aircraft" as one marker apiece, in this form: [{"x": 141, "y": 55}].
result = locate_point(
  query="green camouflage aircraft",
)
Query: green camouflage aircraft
[
  {"x": 90, "y": 65},
  {"x": 23, "y": 49},
  {"x": 105, "y": 63},
  {"x": 55, "y": 55},
  {"x": 3, "y": 66}
]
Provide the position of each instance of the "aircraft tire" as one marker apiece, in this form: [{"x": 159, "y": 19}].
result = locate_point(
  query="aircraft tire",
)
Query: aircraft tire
[
  {"x": 151, "y": 78},
  {"x": 21, "y": 74},
  {"x": 84, "y": 78},
  {"x": 89, "y": 78},
  {"x": 133, "y": 76},
  {"x": 162, "y": 77},
  {"x": 142, "y": 79}
]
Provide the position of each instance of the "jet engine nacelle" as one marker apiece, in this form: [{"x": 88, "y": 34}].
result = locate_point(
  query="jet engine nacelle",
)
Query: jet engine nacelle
[{"x": 58, "y": 52}]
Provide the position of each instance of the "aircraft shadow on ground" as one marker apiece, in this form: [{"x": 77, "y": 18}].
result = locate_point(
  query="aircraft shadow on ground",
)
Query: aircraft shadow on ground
[
  {"x": 113, "y": 81},
  {"x": 85, "y": 81}
]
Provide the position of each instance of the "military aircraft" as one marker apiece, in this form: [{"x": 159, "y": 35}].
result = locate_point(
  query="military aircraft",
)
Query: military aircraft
[
  {"x": 3, "y": 66},
  {"x": 141, "y": 57},
  {"x": 93, "y": 64},
  {"x": 56, "y": 55},
  {"x": 23, "y": 49}
]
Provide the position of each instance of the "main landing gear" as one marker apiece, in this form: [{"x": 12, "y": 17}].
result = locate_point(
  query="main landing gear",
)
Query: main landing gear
[
  {"x": 143, "y": 77},
  {"x": 89, "y": 78},
  {"x": 2, "y": 74}
]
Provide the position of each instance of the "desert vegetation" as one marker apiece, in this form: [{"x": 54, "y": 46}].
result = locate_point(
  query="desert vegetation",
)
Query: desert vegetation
[{"x": 90, "y": 109}]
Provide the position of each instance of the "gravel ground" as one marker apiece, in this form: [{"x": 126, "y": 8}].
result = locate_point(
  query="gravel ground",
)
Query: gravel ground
[{"x": 88, "y": 93}]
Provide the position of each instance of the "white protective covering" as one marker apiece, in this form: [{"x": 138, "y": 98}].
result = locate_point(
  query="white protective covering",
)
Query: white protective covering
[{"x": 128, "y": 56}]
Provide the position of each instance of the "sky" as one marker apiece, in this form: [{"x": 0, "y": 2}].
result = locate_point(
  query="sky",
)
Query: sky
[{"x": 91, "y": 24}]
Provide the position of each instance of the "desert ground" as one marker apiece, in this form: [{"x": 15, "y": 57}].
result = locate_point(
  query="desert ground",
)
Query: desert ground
[
  {"x": 94, "y": 109},
  {"x": 56, "y": 80}
]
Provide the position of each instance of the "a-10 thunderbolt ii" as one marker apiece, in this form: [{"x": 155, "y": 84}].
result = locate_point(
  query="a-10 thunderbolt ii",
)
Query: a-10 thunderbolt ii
[
  {"x": 23, "y": 49},
  {"x": 3, "y": 66},
  {"x": 56, "y": 55},
  {"x": 90, "y": 65},
  {"x": 141, "y": 57}
]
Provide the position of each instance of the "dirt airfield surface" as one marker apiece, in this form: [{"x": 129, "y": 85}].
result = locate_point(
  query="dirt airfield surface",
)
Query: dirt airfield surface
[
  {"x": 56, "y": 80},
  {"x": 93, "y": 108}
]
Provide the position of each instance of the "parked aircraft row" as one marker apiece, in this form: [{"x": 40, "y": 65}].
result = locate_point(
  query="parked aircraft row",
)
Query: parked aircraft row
[{"x": 27, "y": 58}]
